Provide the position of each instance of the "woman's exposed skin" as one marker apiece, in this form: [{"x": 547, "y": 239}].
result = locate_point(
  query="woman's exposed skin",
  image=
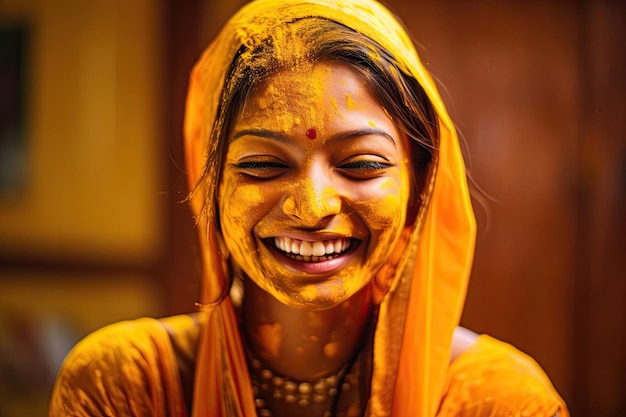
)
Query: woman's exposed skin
[{"x": 344, "y": 186}]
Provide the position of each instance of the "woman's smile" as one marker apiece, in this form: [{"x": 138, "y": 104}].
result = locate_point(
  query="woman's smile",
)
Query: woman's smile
[
  {"x": 313, "y": 257},
  {"x": 316, "y": 251}
]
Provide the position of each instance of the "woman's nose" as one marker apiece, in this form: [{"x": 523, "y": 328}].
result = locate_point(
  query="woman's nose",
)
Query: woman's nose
[{"x": 311, "y": 201}]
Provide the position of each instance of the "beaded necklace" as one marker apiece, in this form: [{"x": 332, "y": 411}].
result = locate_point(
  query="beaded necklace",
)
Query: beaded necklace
[{"x": 271, "y": 390}]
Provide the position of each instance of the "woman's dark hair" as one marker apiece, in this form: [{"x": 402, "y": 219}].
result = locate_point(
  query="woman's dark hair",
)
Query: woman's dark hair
[{"x": 314, "y": 40}]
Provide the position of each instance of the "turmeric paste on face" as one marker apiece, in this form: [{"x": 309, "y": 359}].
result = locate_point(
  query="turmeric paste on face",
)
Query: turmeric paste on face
[{"x": 351, "y": 182}]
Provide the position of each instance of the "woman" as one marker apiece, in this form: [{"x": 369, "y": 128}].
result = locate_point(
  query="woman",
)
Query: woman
[{"x": 337, "y": 233}]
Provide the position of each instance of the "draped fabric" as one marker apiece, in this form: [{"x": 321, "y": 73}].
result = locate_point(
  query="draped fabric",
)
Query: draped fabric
[
  {"x": 125, "y": 369},
  {"x": 475, "y": 385},
  {"x": 418, "y": 316},
  {"x": 144, "y": 368}
]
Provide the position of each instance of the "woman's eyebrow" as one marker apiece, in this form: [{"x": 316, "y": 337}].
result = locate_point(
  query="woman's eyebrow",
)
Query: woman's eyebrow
[
  {"x": 262, "y": 133},
  {"x": 371, "y": 131},
  {"x": 337, "y": 137}
]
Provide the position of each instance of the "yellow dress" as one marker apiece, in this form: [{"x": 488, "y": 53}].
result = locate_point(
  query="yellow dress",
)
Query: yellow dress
[
  {"x": 145, "y": 368},
  {"x": 134, "y": 368}
]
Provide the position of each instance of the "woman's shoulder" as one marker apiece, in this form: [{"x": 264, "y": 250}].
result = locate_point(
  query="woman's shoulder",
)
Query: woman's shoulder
[
  {"x": 127, "y": 368},
  {"x": 492, "y": 378}
]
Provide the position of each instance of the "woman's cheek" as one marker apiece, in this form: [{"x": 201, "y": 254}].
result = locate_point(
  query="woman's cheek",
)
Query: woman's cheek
[
  {"x": 388, "y": 212},
  {"x": 385, "y": 216},
  {"x": 386, "y": 208},
  {"x": 238, "y": 205}
]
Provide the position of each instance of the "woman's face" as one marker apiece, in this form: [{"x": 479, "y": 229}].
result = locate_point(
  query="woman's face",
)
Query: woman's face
[{"x": 315, "y": 186}]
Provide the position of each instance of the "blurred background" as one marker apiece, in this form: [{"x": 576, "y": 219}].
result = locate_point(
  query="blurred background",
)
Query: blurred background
[{"x": 93, "y": 227}]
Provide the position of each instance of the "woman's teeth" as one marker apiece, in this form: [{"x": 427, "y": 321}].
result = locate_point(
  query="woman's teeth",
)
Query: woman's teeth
[{"x": 317, "y": 251}]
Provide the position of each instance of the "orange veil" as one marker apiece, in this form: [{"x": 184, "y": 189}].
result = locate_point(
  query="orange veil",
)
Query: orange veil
[{"x": 418, "y": 315}]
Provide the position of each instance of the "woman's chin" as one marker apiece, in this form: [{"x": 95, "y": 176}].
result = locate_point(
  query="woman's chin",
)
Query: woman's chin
[
  {"x": 315, "y": 297},
  {"x": 311, "y": 285}
]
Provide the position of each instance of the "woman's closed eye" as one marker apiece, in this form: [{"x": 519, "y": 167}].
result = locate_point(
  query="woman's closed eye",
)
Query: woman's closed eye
[
  {"x": 261, "y": 169},
  {"x": 364, "y": 169}
]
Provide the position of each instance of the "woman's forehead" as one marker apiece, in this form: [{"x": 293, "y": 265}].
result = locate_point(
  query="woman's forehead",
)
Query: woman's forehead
[{"x": 311, "y": 96}]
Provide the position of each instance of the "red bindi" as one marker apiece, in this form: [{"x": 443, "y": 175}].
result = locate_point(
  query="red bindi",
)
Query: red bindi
[{"x": 311, "y": 133}]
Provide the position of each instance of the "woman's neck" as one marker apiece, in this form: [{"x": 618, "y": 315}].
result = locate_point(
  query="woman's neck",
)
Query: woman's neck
[{"x": 302, "y": 344}]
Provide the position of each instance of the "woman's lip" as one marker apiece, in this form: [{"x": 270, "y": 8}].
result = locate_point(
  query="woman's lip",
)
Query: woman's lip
[
  {"x": 314, "y": 268},
  {"x": 310, "y": 237}
]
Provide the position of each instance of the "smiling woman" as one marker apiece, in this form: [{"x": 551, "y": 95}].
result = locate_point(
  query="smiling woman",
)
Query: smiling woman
[{"x": 337, "y": 234}]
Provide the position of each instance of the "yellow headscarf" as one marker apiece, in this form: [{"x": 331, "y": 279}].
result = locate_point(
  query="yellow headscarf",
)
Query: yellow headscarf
[{"x": 424, "y": 304}]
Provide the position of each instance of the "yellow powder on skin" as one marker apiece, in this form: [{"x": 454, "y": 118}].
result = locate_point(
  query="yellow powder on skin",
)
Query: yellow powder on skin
[
  {"x": 289, "y": 205},
  {"x": 291, "y": 101},
  {"x": 381, "y": 214},
  {"x": 349, "y": 102},
  {"x": 334, "y": 291},
  {"x": 271, "y": 338},
  {"x": 331, "y": 350},
  {"x": 309, "y": 293},
  {"x": 333, "y": 101},
  {"x": 316, "y": 203},
  {"x": 250, "y": 196}
]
